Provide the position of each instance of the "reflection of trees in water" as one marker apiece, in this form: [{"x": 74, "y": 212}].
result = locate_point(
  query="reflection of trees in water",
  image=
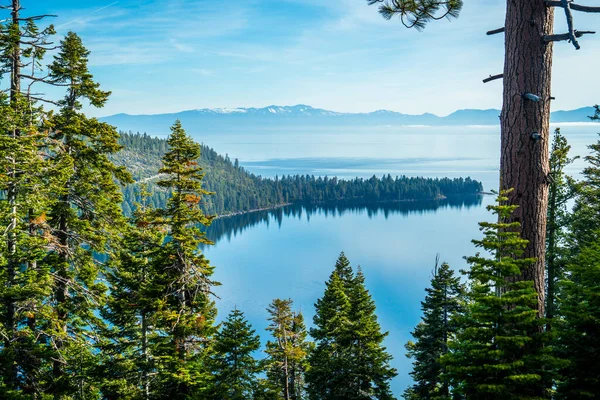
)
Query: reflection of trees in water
[{"x": 232, "y": 226}]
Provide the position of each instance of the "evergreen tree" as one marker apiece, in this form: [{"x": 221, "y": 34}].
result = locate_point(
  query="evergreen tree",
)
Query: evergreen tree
[
  {"x": 86, "y": 219},
  {"x": 233, "y": 367},
  {"x": 498, "y": 352},
  {"x": 579, "y": 326},
  {"x": 131, "y": 310},
  {"x": 186, "y": 312},
  {"x": 562, "y": 190},
  {"x": 443, "y": 301},
  {"x": 287, "y": 353},
  {"x": 586, "y": 211},
  {"x": 26, "y": 180},
  {"x": 349, "y": 361}
]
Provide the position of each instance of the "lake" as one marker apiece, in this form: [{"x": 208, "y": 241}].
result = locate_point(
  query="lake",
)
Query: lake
[{"x": 290, "y": 252}]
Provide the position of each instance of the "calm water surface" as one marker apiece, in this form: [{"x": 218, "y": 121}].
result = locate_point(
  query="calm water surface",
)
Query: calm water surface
[{"x": 289, "y": 253}]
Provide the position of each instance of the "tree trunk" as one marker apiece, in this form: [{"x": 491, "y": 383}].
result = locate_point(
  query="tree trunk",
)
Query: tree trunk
[
  {"x": 524, "y": 163},
  {"x": 11, "y": 197}
]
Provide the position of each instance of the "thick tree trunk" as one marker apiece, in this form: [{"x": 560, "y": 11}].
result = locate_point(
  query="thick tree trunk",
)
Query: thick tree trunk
[{"x": 524, "y": 164}]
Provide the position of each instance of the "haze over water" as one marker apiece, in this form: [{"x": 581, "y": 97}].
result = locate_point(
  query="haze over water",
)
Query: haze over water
[{"x": 290, "y": 253}]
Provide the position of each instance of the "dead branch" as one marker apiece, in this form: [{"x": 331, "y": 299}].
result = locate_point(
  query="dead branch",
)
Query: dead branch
[
  {"x": 573, "y": 6},
  {"x": 493, "y": 78},
  {"x": 495, "y": 31}
]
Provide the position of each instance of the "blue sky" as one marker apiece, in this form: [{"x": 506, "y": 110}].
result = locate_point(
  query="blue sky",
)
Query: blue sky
[{"x": 170, "y": 55}]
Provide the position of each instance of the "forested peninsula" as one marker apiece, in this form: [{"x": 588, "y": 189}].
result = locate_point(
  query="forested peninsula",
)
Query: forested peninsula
[{"x": 237, "y": 190}]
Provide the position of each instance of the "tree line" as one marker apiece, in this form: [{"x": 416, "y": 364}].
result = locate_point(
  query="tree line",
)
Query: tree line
[
  {"x": 237, "y": 190},
  {"x": 483, "y": 338}
]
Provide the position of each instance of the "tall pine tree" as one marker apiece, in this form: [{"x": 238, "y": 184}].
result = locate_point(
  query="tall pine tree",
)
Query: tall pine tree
[
  {"x": 438, "y": 326},
  {"x": 287, "y": 351},
  {"x": 86, "y": 218},
  {"x": 233, "y": 366},
  {"x": 349, "y": 360},
  {"x": 562, "y": 189},
  {"x": 498, "y": 352},
  {"x": 186, "y": 311},
  {"x": 126, "y": 352}
]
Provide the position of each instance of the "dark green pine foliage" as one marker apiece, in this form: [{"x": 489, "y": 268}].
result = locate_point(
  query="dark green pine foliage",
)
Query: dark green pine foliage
[
  {"x": 586, "y": 211},
  {"x": 85, "y": 218},
  {"x": 127, "y": 353},
  {"x": 444, "y": 300},
  {"x": 186, "y": 311},
  {"x": 233, "y": 367},
  {"x": 349, "y": 360},
  {"x": 417, "y": 13},
  {"x": 578, "y": 329},
  {"x": 562, "y": 189},
  {"x": 498, "y": 352},
  {"x": 287, "y": 351}
]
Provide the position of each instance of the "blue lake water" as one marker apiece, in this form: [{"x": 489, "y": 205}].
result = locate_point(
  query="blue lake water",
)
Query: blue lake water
[{"x": 290, "y": 252}]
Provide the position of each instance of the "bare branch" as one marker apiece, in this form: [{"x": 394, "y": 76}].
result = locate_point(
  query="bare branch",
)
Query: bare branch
[
  {"x": 493, "y": 78},
  {"x": 573, "y": 6},
  {"x": 37, "y": 17},
  {"x": 566, "y": 36},
  {"x": 495, "y": 31}
]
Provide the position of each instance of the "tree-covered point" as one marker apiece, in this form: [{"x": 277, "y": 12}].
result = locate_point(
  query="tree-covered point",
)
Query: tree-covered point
[{"x": 237, "y": 190}]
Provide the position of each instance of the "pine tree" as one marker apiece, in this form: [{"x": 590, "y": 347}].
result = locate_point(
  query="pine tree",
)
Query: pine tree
[
  {"x": 586, "y": 211},
  {"x": 562, "y": 189},
  {"x": 498, "y": 352},
  {"x": 26, "y": 180},
  {"x": 579, "y": 326},
  {"x": 86, "y": 219},
  {"x": 186, "y": 312},
  {"x": 432, "y": 334},
  {"x": 348, "y": 361},
  {"x": 131, "y": 310},
  {"x": 233, "y": 367},
  {"x": 287, "y": 352}
]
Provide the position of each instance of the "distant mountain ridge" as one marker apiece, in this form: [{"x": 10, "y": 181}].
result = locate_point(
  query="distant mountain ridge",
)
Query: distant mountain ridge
[{"x": 200, "y": 120}]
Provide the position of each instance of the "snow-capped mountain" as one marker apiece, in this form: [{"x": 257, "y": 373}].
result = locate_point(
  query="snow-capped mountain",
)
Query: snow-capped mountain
[{"x": 252, "y": 119}]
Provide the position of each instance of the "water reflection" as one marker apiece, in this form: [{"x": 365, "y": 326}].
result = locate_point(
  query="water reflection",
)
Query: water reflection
[{"x": 230, "y": 227}]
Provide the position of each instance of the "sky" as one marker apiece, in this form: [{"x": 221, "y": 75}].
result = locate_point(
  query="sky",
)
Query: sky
[{"x": 162, "y": 56}]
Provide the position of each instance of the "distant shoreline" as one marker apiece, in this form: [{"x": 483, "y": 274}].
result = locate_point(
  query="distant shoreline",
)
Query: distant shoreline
[{"x": 344, "y": 202}]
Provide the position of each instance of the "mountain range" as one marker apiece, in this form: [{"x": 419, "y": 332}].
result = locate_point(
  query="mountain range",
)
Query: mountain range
[{"x": 249, "y": 119}]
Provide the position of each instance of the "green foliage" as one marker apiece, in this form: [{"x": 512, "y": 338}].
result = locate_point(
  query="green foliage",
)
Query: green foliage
[
  {"x": 349, "y": 360},
  {"x": 579, "y": 326},
  {"x": 443, "y": 302},
  {"x": 287, "y": 351},
  {"x": 85, "y": 218},
  {"x": 233, "y": 367},
  {"x": 126, "y": 352},
  {"x": 418, "y": 13},
  {"x": 185, "y": 311},
  {"x": 562, "y": 189},
  {"x": 499, "y": 352},
  {"x": 586, "y": 211}
]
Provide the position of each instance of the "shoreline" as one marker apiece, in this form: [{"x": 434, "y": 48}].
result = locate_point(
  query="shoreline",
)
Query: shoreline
[{"x": 338, "y": 202}]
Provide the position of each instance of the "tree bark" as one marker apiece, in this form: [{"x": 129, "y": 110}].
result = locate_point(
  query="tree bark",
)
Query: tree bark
[{"x": 524, "y": 163}]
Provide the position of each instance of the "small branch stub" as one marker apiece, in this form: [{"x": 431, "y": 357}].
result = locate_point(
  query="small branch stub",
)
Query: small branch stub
[
  {"x": 531, "y": 97},
  {"x": 493, "y": 78},
  {"x": 536, "y": 137},
  {"x": 495, "y": 31}
]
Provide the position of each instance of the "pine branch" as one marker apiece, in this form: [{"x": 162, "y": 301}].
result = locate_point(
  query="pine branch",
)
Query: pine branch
[{"x": 417, "y": 13}]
